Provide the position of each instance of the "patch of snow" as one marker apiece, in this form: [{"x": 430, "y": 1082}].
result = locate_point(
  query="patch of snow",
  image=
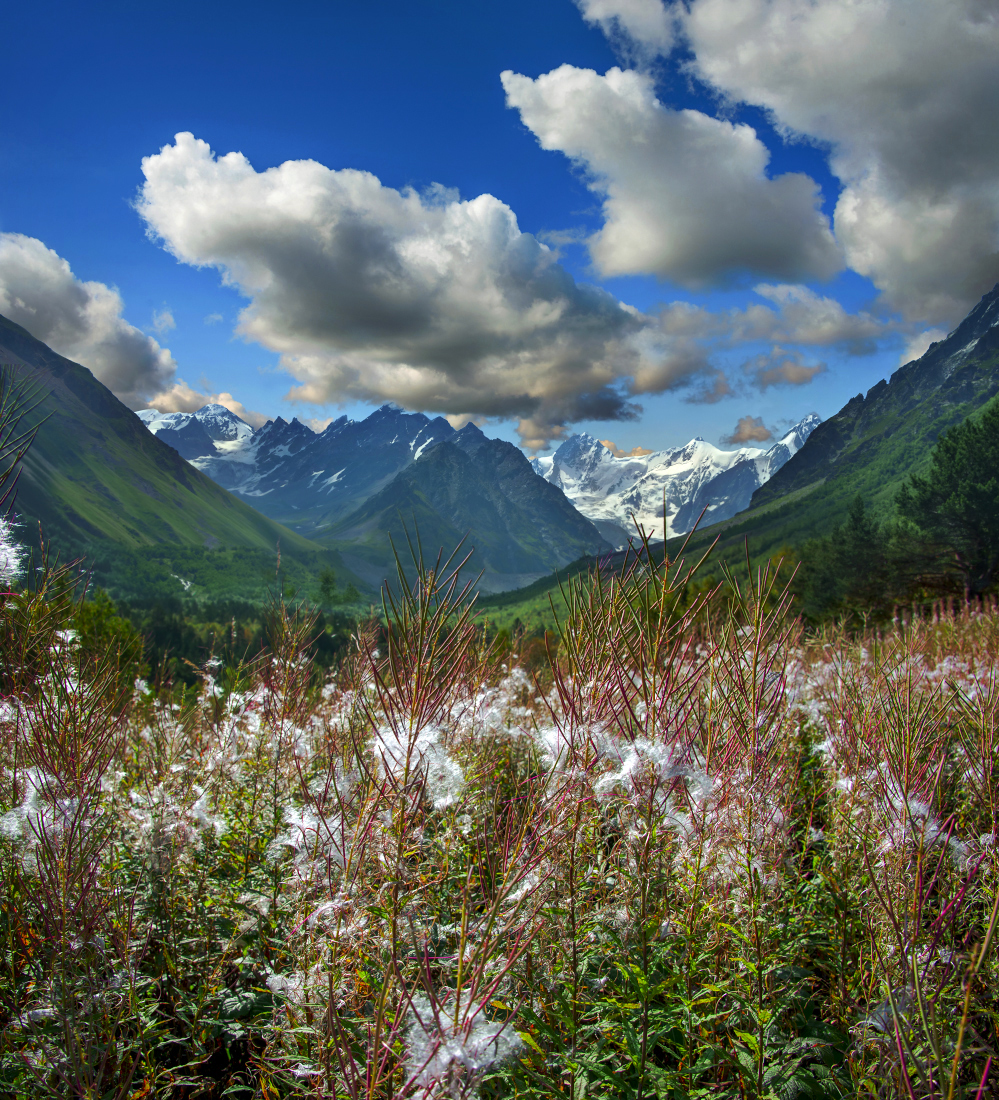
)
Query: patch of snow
[
  {"x": 156, "y": 421},
  {"x": 663, "y": 492}
]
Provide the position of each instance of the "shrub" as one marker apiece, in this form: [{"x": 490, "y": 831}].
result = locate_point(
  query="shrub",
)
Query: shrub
[{"x": 698, "y": 854}]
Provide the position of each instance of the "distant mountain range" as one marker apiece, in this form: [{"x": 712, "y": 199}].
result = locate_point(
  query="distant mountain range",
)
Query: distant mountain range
[
  {"x": 97, "y": 477},
  {"x": 307, "y": 479},
  {"x": 330, "y": 485},
  {"x": 114, "y": 486},
  {"x": 665, "y": 492},
  {"x": 366, "y": 486}
]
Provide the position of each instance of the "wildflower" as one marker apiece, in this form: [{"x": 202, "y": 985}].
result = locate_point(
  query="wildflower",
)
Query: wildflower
[
  {"x": 39, "y": 814},
  {"x": 443, "y": 775},
  {"x": 11, "y": 554},
  {"x": 455, "y": 1056},
  {"x": 298, "y": 988}
]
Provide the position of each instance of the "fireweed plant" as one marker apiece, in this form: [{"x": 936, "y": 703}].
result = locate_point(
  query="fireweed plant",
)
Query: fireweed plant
[{"x": 700, "y": 855}]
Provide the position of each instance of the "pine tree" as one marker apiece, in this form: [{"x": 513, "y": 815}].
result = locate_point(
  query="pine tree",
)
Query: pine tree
[
  {"x": 956, "y": 504},
  {"x": 848, "y": 574}
]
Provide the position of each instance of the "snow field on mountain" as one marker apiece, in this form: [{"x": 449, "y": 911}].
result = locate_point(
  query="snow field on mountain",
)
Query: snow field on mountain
[
  {"x": 284, "y": 461},
  {"x": 686, "y": 480}
]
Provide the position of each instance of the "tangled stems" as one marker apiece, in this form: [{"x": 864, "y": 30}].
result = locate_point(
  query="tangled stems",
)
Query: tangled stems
[{"x": 700, "y": 854}]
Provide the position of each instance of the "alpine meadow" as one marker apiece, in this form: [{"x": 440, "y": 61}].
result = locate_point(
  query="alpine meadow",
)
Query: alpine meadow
[{"x": 499, "y": 551}]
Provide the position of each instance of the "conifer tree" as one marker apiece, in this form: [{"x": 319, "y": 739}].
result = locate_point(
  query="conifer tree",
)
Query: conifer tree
[{"x": 956, "y": 504}]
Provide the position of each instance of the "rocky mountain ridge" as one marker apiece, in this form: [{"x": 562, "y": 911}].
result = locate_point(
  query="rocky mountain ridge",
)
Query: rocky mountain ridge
[{"x": 616, "y": 493}]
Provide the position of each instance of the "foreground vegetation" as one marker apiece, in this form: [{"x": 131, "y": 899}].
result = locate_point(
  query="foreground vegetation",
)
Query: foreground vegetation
[{"x": 700, "y": 855}]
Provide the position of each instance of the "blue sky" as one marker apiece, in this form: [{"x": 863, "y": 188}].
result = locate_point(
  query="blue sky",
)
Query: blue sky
[{"x": 654, "y": 206}]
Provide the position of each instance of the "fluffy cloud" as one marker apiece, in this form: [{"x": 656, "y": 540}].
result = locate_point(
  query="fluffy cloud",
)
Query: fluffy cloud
[
  {"x": 374, "y": 294},
  {"x": 750, "y": 429},
  {"x": 780, "y": 367},
  {"x": 903, "y": 93},
  {"x": 685, "y": 196},
  {"x": 643, "y": 28},
  {"x": 163, "y": 321},
  {"x": 81, "y": 320},
  {"x": 801, "y": 317}
]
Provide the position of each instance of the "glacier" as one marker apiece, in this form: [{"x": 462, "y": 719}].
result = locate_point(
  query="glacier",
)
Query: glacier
[{"x": 666, "y": 492}]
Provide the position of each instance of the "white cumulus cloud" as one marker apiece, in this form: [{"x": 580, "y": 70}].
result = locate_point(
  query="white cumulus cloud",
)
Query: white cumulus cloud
[
  {"x": 374, "y": 294},
  {"x": 686, "y": 196},
  {"x": 902, "y": 93},
  {"x": 163, "y": 321},
  {"x": 81, "y": 320},
  {"x": 642, "y": 28}
]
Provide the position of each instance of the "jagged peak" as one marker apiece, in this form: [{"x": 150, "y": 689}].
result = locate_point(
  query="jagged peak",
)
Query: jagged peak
[
  {"x": 389, "y": 411},
  {"x": 335, "y": 425}
]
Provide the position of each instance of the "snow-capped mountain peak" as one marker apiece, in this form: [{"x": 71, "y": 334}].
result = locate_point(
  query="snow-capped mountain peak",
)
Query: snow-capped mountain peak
[
  {"x": 617, "y": 493},
  {"x": 221, "y": 424},
  {"x": 213, "y": 428},
  {"x": 291, "y": 473}
]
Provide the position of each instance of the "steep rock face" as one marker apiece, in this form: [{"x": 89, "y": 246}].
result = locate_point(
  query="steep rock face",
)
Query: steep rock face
[
  {"x": 896, "y": 424},
  {"x": 478, "y": 489},
  {"x": 697, "y": 478}
]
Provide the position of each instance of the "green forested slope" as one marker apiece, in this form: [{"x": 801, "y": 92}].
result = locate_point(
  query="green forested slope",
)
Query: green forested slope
[
  {"x": 100, "y": 484},
  {"x": 872, "y": 444},
  {"x": 518, "y": 525},
  {"x": 868, "y": 449}
]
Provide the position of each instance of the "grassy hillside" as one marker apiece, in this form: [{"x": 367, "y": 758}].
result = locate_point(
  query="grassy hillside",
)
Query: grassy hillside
[
  {"x": 869, "y": 448},
  {"x": 882, "y": 445},
  {"x": 102, "y": 486}
]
